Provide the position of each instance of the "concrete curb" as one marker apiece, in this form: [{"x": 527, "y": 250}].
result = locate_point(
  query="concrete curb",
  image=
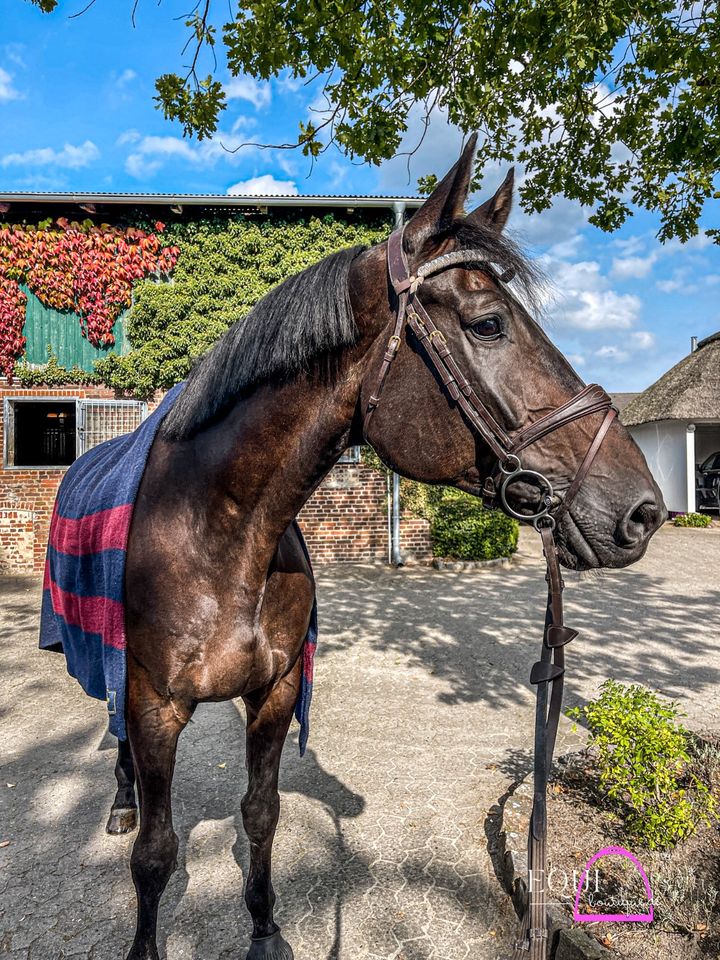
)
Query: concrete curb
[
  {"x": 461, "y": 565},
  {"x": 566, "y": 942}
]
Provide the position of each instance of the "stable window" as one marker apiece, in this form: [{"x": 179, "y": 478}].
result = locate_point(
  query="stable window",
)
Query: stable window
[
  {"x": 351, "y": 455},
  {"x": 40, "y": 433},
  {"x": 49, "y": 432}
]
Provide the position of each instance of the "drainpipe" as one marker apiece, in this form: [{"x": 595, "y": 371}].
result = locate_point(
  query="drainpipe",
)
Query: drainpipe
[
  {"x": 395, "y": 555},
  {"x": 690, "y": 466}
]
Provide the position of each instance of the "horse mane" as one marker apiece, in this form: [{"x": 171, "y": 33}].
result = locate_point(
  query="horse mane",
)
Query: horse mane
[
  {"x": 303, "y": 322},
  {"x": 298, "y": 324}
]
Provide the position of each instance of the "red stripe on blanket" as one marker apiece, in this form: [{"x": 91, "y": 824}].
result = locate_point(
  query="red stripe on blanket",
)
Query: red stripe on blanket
[
  {"x": 92, "y": 614},
  {"x": 105, "y": 530}
]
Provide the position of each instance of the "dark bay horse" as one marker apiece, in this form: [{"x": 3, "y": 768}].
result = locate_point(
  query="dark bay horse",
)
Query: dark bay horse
[{"x": 218, "y": 590}]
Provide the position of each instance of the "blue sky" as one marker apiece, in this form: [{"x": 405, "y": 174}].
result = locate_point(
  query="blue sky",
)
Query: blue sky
[{"x": 76, "y": 113}]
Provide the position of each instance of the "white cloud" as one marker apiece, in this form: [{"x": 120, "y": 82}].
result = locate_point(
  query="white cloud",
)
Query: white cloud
[
  {"x": 678, "y": 280},
  {"x": 129, "y": 136},
  {"x": 7, "y": 90},
  {"x": 634, "y": 267},
  {"x": 141, "y": 167},
  {"x": 612, "y": 353},
  {"x": 587, "y": 301},
  {"x": 14, "y": 53},
  {"x": 286, "y": 83},
  {"x": 71, "y": 157},
  {"x": 629, "y": 245},
  {"x": 150, "y": 153},
  {"x": 264, "y": 186},
  {"x": 576, "y": 359},
  {"x": 126, "y": 77},
  {"x": 247, "y": 88},
  {"x": 643, "y": 339}
]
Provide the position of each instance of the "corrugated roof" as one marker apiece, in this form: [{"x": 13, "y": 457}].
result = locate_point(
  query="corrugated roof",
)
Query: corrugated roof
[
  {"x": 689, "y": 391},
  {"x": 211, "y": 199}
]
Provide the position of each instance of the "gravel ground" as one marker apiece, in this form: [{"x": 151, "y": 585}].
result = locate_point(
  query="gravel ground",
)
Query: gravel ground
[{"x": 422, "y": 720}]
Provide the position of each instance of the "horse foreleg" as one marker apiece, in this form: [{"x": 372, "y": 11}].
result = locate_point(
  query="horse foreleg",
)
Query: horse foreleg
[
  {"x": 154, "y": 725},
  {"x": 123, "y": 813},
  {"x": 267, "y": 727}
]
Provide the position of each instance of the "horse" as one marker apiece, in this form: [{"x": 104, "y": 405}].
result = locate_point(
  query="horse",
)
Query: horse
[{"x": 219, "y": 591}]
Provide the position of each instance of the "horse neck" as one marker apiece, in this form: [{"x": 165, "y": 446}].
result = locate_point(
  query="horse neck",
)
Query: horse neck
[{"x": 255, "y": 469}]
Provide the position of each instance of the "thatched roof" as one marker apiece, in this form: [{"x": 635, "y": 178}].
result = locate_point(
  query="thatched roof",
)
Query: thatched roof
[
  {"x": 689, "y": 391},
  {"x": 621, "y": 400}
]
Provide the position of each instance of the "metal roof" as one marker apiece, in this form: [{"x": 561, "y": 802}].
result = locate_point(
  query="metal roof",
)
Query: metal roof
[{"x": 211, "y": 199}]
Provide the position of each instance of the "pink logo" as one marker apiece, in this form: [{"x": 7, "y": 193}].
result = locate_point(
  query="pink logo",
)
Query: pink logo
[{"x": 625, "y": 917}]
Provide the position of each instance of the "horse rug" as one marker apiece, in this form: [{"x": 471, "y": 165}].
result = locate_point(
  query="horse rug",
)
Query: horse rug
[{"x": 83, "y": 606}]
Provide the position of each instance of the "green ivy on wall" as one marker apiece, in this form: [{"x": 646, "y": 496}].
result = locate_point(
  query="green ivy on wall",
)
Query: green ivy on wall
[{"x": 224, "y": 267}]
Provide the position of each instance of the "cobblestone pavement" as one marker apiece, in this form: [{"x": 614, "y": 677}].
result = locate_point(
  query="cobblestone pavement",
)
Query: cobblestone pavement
[{"x": 422, "y": 720}]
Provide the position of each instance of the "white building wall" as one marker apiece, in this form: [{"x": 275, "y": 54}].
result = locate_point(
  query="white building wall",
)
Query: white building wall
[{"x": 665, "y": 445}]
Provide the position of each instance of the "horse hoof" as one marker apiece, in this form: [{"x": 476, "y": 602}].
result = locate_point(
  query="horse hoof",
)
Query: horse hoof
[
  {"x": 122, "y": 820},
  {"x": 270, "y": 948}
]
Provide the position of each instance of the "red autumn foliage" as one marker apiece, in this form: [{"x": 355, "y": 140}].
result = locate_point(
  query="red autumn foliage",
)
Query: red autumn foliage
[{"x": 71, "y": 266}]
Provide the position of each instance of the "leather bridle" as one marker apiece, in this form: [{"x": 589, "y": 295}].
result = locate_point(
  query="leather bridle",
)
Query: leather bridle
[{"x": 506, "y": 448}]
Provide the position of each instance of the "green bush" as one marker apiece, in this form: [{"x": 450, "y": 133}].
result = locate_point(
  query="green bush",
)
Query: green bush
[
  {"x": 226, "y": 265},
  {"x": 645, "y": 764},
  {"x": 462, "y": 529},
  {"x": 692, "y": 520}
]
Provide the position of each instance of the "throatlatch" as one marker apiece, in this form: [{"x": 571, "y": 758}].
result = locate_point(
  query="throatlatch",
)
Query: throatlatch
[{"x": 547, "y": 673}]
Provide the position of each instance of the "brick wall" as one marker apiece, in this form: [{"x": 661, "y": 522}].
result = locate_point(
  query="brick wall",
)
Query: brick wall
[{"x": 345, "y": 520}]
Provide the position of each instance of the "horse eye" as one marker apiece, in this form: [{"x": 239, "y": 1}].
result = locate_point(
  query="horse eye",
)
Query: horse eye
[{"x": 489, "y": 328}]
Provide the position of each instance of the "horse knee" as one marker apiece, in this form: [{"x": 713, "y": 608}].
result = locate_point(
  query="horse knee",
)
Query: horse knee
[
  {"x": 154, "y": 859},
  {"x": 260, "y": 812}
]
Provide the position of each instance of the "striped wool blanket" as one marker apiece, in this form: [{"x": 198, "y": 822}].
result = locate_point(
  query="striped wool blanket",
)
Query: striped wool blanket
[{"x": 83, "y": 606}]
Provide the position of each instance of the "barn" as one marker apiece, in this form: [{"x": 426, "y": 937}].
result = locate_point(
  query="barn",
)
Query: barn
[
  {"x": 676, "y": 422},
  {"x": 55, "y": 325}
]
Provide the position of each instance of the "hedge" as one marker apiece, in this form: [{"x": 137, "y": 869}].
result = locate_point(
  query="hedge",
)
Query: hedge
[
  {"x": 224, "y": 267},
  {"x": 461, "y": 528}
]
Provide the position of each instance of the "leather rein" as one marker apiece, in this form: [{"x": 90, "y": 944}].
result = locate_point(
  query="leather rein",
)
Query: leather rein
[{"x": 547, "y": 673}]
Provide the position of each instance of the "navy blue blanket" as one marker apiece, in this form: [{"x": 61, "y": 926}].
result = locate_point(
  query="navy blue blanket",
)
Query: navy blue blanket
[{"x": 83, "y": 607}]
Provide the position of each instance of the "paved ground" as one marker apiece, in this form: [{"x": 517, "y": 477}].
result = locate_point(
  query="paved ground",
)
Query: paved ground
[{"x": 422, "y": 720}]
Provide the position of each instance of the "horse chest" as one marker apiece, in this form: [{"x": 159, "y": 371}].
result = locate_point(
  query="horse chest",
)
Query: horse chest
[{"x": 223, "y": 651}]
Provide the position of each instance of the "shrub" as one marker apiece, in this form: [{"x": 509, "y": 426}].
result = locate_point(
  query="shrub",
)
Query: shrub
[
  {"x": 462, "y": 529},
  {"x": 692, "y": 520},
  {"x": 645, "y": 764},
  {"x": 225, "y": 265}
]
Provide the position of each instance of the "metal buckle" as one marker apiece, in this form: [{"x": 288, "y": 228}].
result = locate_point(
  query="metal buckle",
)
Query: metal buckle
[
  {"x": 510, "y": 470},
  {"x": 394, "y": 338},
  {"x": 513, "y": 477},
  {"x": 440, "y": 334}
]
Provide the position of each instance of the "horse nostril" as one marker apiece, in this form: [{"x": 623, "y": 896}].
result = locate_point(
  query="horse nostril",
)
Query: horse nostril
[{"x": 640, "y": 522}]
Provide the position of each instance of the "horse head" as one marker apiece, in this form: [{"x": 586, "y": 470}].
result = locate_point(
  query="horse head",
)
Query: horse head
[{"x": 460, "y": 268}]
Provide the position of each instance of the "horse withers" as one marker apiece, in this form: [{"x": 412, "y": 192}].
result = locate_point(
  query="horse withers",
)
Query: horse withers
[{"x": 219, "y": 591}]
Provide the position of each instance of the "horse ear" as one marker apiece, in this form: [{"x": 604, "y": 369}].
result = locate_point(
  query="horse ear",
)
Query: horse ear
[
  {"x": 495, "y": 211},
  {"x": 445, "y": 204}
]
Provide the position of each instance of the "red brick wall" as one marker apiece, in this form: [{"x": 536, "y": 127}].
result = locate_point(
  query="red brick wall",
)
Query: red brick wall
[{"x": 345, "y": 520}]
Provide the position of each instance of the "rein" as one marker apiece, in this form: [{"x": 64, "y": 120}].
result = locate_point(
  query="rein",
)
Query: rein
[{"x": 547, "y": 673}]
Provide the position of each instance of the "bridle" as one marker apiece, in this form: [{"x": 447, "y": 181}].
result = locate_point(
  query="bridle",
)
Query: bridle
[{"x": 506, "y": 448}]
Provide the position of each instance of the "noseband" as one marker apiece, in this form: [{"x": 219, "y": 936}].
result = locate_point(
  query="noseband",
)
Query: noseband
[{"x": 506, "y": 448}]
